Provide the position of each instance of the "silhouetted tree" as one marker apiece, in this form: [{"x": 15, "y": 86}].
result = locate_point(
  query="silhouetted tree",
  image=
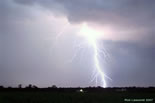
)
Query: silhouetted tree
[
  {"x": 34, "y": 86},
  {"x": 1, "y": 87},
  {"x": 9, "y": 87},
  {"x": 54, "y": 86},
  {"x": 99, "y": 87},
  {"x": 20, "y": 86},
  {"x": 29, "y": 86}
]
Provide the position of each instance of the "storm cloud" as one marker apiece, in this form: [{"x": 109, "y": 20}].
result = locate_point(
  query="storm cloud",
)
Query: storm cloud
[{"x": 133, "y": 18}]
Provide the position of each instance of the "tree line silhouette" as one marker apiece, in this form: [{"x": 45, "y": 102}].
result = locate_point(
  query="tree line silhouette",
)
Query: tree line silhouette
[{"x": 54, "y": 88}]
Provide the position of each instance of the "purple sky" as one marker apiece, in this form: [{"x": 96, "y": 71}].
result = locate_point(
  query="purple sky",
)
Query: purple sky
[{"x": 38, "y": 38}]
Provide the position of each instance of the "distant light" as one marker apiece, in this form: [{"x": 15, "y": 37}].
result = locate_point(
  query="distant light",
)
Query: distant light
[{"x": 81, "y": 90}]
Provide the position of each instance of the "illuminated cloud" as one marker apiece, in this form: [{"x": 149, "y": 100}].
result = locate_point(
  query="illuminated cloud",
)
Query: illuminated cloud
[{"x": 127, "y": 19}]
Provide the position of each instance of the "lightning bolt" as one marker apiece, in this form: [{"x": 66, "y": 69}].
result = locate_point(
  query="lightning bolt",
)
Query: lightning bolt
[
  {"x": 97, "y": 65},
  {"x": 93, "y": 42},
  {"x": 91, "y": 37}
]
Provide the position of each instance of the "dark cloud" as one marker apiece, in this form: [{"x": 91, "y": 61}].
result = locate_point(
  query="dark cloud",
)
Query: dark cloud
[
  {"x": 123, "y": 15},
  {"x": 105, "y": 11}
]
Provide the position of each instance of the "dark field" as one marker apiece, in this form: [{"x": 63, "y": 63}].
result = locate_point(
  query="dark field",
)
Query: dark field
[{"x": 74, "y": 95}]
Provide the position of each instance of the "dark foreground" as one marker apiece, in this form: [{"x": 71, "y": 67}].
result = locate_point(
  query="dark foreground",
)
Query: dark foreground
[{"x": 77, "y": 95}]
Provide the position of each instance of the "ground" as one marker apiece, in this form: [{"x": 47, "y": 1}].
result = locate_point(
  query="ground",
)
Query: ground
[{"x": 90, "y": 95}]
